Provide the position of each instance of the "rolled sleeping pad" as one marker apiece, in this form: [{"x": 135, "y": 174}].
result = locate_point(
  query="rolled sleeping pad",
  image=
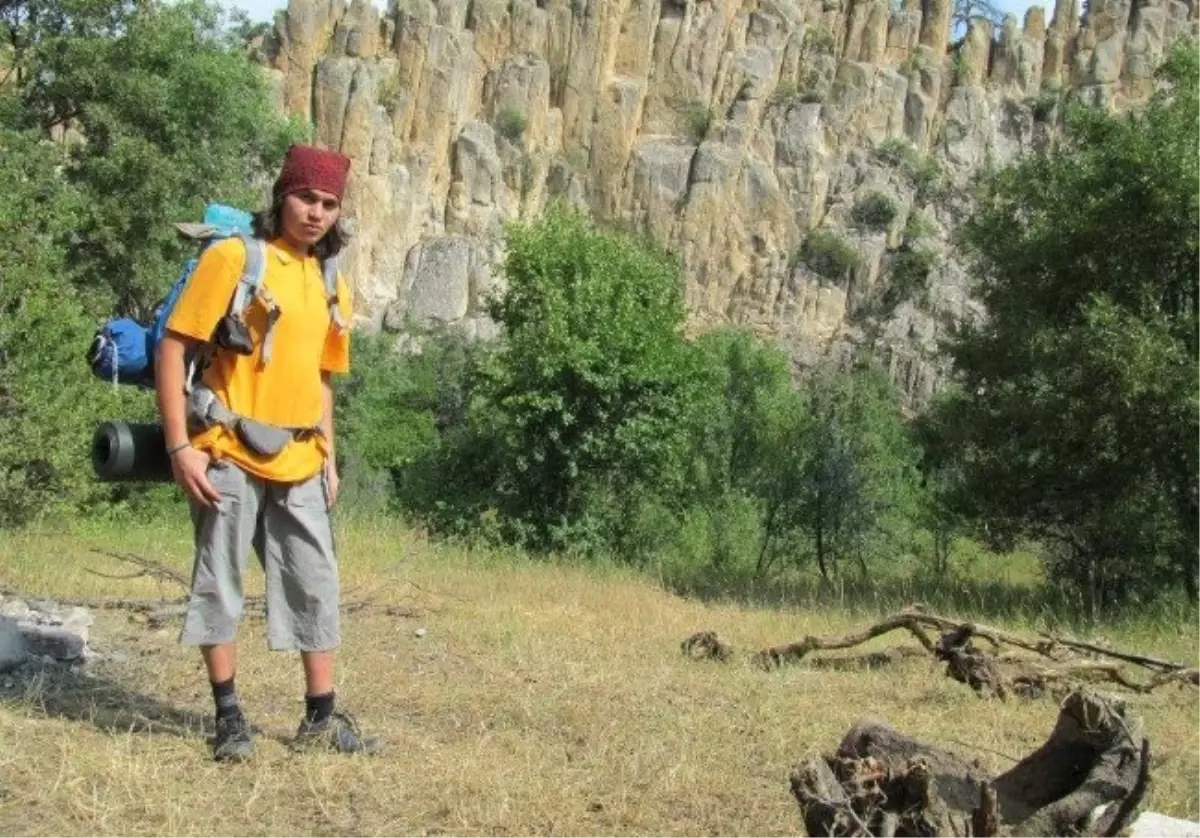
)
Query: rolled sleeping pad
[{"x": 130, "y": 451}]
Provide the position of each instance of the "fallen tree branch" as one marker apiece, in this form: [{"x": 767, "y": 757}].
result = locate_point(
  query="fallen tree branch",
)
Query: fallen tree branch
[
  {"x": 1180, "y": 676},
  {"x": 150, "y": 568},
  {"x": 776, "y": 655},
  {"x": 999, "y": 675},
  {"x": 994, "y": 636},
  {"x": 1128, "y": 657}
]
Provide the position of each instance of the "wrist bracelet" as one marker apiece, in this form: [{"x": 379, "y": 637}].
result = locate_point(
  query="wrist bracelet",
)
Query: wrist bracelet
[{"x": 175, "y": 449}]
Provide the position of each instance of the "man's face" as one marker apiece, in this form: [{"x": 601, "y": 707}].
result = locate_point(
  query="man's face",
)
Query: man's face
[{"x": 307, "y": 216}]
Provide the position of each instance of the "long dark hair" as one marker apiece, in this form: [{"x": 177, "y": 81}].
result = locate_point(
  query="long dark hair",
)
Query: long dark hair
[{"x": 268, "y": 224}]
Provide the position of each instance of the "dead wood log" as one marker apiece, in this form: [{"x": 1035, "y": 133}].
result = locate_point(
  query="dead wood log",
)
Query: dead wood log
[
  {"x": 870, "y": 660},
  {"x": 1000, "y": 674},
  {"x": 1181, "y": 677},
  {"x": 1128, "y": 657},
  {"x": 1087, "y": 779},
  {"x": 984, "y": 672},
  {"x": 776, "y": 655},
  {"x": 995, "y": 636},
  {"x": 705, "y": 645}
]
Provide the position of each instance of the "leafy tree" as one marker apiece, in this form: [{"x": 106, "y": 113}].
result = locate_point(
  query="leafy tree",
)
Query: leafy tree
[
  {"x": 1076, "y": 421},
  {"x": 854, "y": 470},
  {"x": 47, "y": 399},
  {"x": 744, "y": 385},
  {"x": 116, "y": 117},
  {"x": 587, "y": 391},
  {"x": 741, "y": 407},
  {"x": 166, "y": 114}
]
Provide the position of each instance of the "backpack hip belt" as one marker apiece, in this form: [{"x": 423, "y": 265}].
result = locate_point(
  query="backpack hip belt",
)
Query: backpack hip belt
[{"x": 205, "y": 410}]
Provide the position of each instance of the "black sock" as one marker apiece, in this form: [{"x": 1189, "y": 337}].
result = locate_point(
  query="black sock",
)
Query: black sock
[
  {"x": 225, "y": 697},
  {"x": 318, "y": 708}
]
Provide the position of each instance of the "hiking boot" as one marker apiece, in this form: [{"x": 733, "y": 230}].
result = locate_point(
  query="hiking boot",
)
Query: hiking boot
[
  {"x": 339, "y": 732},
  {"x": 232, "y": 742}
]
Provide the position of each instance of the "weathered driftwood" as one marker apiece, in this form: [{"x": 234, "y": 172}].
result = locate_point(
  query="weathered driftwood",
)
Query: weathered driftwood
[
  {"x": 705, "y": 645},
  {"x": 1128, "y": 657},
  {"x": 908, "y": 620},
  {"x": 916, "y": 622},
  {"x": 988, "y": 674},
  {"x": 1087, "y": 779}
]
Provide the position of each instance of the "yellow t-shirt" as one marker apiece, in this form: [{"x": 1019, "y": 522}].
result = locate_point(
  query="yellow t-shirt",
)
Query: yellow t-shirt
[{"x": 287, "y": 390}]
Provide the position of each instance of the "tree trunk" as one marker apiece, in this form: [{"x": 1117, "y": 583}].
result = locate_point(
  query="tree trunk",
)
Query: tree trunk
[
  {"x": 1087, "y": 779},
  {"x": 820, "y": 537},
  {"x": 768, "y": 532}
]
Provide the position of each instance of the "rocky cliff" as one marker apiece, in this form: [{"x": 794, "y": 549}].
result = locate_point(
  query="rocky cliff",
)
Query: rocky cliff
[{"x": 795, "y": 154}]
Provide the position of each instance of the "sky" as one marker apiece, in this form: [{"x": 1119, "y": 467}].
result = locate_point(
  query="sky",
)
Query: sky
[{"x": 265, "y": 9}]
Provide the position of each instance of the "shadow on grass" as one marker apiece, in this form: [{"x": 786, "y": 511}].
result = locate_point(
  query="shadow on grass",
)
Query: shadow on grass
[{"x": 65, "y": 692}]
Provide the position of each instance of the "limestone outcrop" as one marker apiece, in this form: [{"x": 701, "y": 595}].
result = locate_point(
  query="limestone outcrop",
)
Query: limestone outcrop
[{"x": 730, "y": 130}]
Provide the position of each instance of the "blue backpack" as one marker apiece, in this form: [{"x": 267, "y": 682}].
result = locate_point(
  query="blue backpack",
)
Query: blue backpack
[{"x": 122, "y": 350}]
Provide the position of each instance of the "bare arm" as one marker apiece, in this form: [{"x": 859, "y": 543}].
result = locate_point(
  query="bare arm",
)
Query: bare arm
[
  {"x": 331, "y": 473},
  {"x": 189, "y": 466},
  {"x": 169, "y": 372}
]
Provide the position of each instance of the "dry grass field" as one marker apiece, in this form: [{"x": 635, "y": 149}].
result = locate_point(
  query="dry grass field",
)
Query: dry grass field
[{"x": 540, "y": 699}]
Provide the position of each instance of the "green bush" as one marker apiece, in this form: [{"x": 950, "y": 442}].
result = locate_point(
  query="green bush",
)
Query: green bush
[
  {"x": 1046, "y": 105},
  {"x": 828, "y": 254},
  {"x": 874, "y": 212},
  {"x": 921, "y": 170},
  {"x": 174, "y": 114},
  {"x": 918, "y": 225},
  {"x": 587, "y": 389},
  {"x": 912, "y": 65},
  {"x": 697, "y": 120},
  {"x": 784, "y": 92},
  {"x": 388, "y": 92},
  {"x": 908, "y": 275},
  {"x": 898, "y": 152},
  {"x": 511, "y": 123},
  {"x": 818, "y": 40}
]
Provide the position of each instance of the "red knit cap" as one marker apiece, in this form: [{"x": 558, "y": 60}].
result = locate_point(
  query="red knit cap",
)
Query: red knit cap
[{"x": 307, "y": 167}]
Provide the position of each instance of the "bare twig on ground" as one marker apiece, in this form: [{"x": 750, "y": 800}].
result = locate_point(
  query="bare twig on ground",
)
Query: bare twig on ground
[{"x": 149, "y": 568}]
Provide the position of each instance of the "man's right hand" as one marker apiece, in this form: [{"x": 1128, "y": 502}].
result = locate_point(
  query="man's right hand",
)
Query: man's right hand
[{"x": 189, "y": 466}]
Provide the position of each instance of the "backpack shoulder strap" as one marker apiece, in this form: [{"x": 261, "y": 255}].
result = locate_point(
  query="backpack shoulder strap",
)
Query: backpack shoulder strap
[
  {"x": 250, "y": 285},
  {"x": 329, "y": 273},
  {"x": 253, "y": 271}
]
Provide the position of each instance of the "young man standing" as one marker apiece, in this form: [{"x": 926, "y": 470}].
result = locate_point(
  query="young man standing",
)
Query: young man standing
[{"x": 256, "y": 458}]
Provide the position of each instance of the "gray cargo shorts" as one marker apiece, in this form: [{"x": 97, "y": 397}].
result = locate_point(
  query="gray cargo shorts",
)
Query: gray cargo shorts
[{"x": 289, "y": 527}]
